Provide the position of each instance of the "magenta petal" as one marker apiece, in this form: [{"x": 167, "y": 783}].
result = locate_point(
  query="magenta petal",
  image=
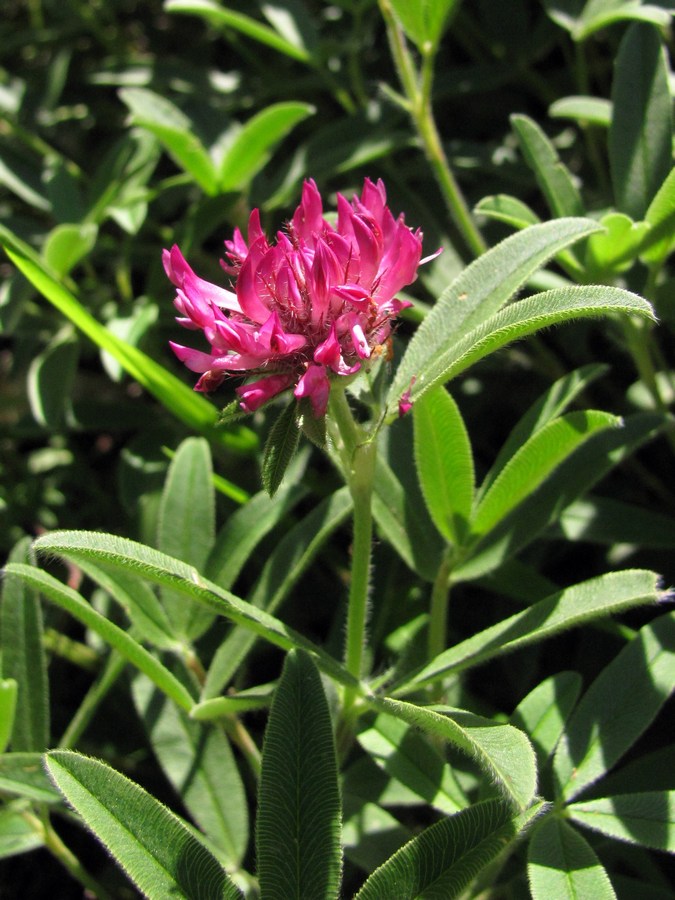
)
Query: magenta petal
[
  {"x": 308, "y": 217},
  {"x": 256, "y": 393},
  {"x": 315, "y": 385},
  {"x": 278, "y": 341},
  {"x": 399, "y": 264},
  {"x": 374, "y": 197},
  {"x": 328, "y": 353},
  {"x": 370, "y": 247},
  {"x": 247, "y": 284},
  {"x": 195, "y": 360}
]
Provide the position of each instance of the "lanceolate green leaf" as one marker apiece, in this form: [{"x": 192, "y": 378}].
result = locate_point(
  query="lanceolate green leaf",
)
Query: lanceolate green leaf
[
  {"x": 444, "y": 463},
  {"x": 562, "y": 864},
  {"x": 553, "y": 177},
  {"x": 77, "y": 606},
  {"x": 622, "y": 701},
  {"x": 543, "y": 713},
  {"x": 660, "y": 239},
  {"x": 299, "y": 809},
  {"x": 186, "y": 529},
  {"x": 23, "y": 775},
  {"x": 121, "y": 553},
  {"x": 552, "y": 403},
  {"x": 282, "y": 443},
  {"x": 646, "y": 818},
  {"x": 501, "y": 751},
  {"x": 253, "y": 146},
  {"x": 482, "y": 289},
  {"x": 199, "y": 763},
  {"x": 533, "y": 462},
  {"x": 221, "y": 17},
  {"x": 244, "y": 529},
  {"x": 175, "y": 131},
  {"x": 23, "y": 656},
  {"x": 641, "y": 133},
  {"x": 505, "y": 208},
  {"x": 520, "y": 320},
  {"x": 139, "y": 602},
  {"x": 188, "y": 406},
  {"x": 152, "y": 845},
  {"x": 599, "y": 596},
  {"x": 404, "y": 524},
  {"x": 445, "y": 858},
  {"x": 50, "y": 382}
]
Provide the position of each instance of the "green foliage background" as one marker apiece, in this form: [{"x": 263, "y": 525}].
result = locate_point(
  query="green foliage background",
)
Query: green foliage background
[{"x": 539, "y": 492}]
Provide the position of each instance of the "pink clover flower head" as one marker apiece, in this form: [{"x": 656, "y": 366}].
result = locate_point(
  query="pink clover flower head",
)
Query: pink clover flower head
[{"x": 315, "y": 304}]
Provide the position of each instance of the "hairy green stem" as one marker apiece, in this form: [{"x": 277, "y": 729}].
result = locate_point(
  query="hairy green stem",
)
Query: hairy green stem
[
  {"x": 93, "y": 699},
  {"x": 418, "y": 91},
  {"x": 357, "y": 452},
  {"x": 66, "y": 857},
  {"x": 438, "y": 613}
]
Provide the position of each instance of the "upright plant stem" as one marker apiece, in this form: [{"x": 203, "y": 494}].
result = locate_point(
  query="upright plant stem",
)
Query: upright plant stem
[
  {"x": 93, "y": 699},
  {"x": 418, "y": 94},
  {"x": 68, "y": 860},
  {"x": 358, "y": 457},
  {"x": 438, "y": 613}
]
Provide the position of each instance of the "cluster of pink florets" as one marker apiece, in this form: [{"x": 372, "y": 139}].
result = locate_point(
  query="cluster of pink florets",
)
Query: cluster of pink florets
[{"x": 316, "y": 303}]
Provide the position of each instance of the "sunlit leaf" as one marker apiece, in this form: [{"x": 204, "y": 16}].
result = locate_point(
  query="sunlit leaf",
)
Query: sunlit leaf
[
  {"x": 622, "y": 701},
  {"x": 444, "y": 463},
  {"x": 444, "y": 859},
  {"x": 562, "y": 864},
  {"x": 151, "y": 844}
]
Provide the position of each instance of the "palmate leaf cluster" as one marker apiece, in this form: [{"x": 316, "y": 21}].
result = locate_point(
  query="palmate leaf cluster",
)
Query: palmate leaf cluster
[{"x": 172, "y": 684}]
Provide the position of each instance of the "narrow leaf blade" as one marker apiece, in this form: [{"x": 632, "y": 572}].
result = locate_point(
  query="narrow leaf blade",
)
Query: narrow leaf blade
[
  {"x": 552, "y": 175},
  {"x": 519, "y": 320},
  {"x": 572, "y": 606},
  {"x": 280, "y": 448},
  {"x": 444, "y": 463},
  {"x": 443, "y": 860},
  {"x": 186, "y": 530},
  {"x": 647, "y": 819},
  {"x": 174, "y": 131},
  {"x": 482, "y": 289},
  {"x": 153, "y": 846},
  {"x": 641, "y": 133},
  {"x": 156, "y": 567},
  {"x": 299, "y": 812},
  {"x": 23, "y": 656},
  {"x": 254, "y": 144},
  {"x": 622, "y": 701},
  {"x": 533, "y": 462},
  {"x": 221, "y": 17}
]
